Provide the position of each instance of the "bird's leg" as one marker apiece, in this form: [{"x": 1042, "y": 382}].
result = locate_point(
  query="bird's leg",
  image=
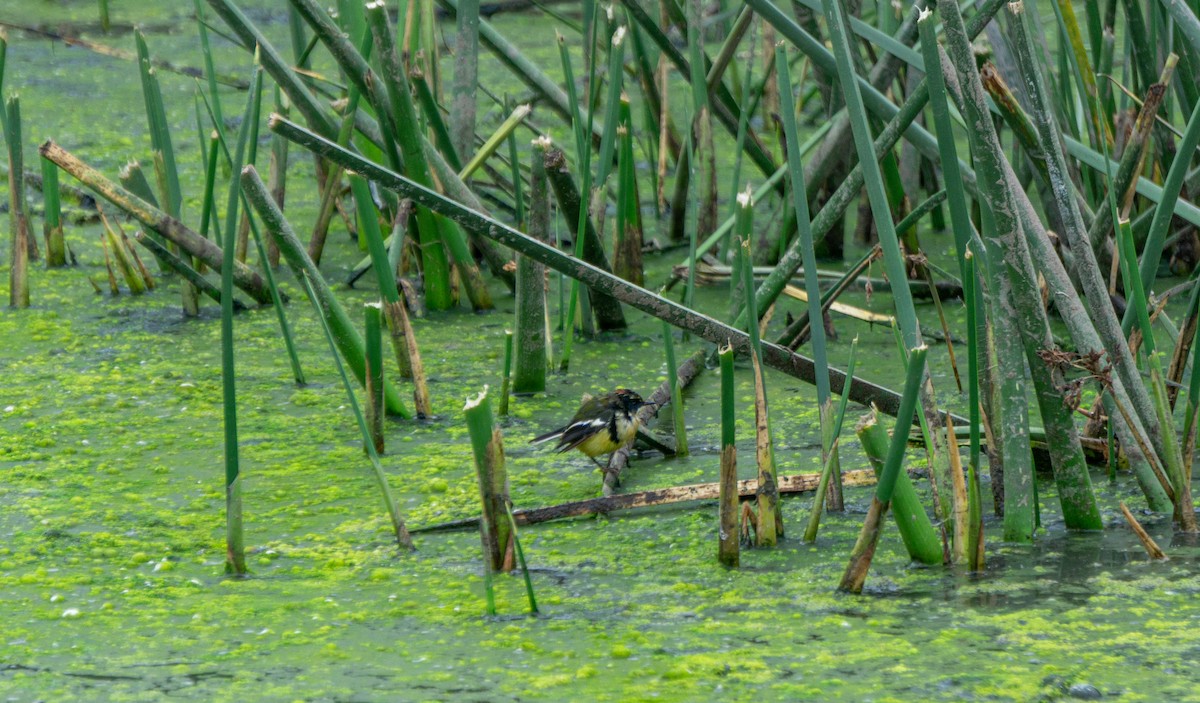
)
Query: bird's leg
[{"x": 603, "y": 467}]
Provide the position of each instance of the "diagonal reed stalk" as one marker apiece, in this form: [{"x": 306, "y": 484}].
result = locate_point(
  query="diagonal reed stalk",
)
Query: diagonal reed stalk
[
  {"x": 403, "y": 539},
  {"x": 702, "y": 326},
  {"x": 349, "y": 341}
]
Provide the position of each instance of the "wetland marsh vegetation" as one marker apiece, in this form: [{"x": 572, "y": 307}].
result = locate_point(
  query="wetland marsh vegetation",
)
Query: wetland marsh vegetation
[{"x": 250, "y": 289}]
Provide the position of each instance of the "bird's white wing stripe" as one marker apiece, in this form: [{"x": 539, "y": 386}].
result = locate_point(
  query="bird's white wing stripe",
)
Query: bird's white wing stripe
[{"x": 596, "y": 423}]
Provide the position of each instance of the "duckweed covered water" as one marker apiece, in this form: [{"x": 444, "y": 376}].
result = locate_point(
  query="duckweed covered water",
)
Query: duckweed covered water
[{"x": 111, "y": 523}]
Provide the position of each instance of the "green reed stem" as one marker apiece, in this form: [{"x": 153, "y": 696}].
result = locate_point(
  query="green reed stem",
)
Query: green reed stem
[
  {"x": 493, "y": 142},
  {"x": 373, "y": 331},
  {"x": 235, "y": 556}
]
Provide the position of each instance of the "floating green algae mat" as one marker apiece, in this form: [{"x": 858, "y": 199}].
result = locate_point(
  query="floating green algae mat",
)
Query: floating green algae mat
[{"x": 111, "y": 524}]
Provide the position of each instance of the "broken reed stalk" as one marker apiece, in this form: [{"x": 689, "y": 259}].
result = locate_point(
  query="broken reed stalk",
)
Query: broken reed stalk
[
  {"x": 403, "y": 538},
  {"x": 606, "y": 309},
  {"x": 529, "y": 367},
  {"x": 170, "y": 228},
  {"x": 18, "y": 276},
  {"x": 728, "y": 544},
  {"x": 678, "y": 421},
  {"x": 488, "y": 447},
  {"x": 174, "y": 262},
  {"x": 627, "y": 237},
  {"x": 1152, "y": 549},
  {"x": 770, "y": 514},
  {"x": 52, "y": 227},
  {"x": 864, "y": 549},
  {"x": 373, "y": 320},
  {"x": 703, "y": 326},
  {"x": 506, "y": 128},
  {"x": 349, "y": 342},
  {"x": 920, "y": 537},
  {"x": 123, "y": 258}
]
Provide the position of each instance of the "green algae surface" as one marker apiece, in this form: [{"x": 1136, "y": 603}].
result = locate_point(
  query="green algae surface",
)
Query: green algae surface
[{"x": 112, "y": 528}]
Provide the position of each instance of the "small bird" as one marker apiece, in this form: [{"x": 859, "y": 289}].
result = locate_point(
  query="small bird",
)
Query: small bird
[{"x": 602, "y": 425}]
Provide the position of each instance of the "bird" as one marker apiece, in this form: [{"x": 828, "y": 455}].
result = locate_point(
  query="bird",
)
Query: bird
[{"x": 602, "y": 425}]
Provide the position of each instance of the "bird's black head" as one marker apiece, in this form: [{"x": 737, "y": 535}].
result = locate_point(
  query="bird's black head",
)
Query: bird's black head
[{"x": 628, "y": 400}]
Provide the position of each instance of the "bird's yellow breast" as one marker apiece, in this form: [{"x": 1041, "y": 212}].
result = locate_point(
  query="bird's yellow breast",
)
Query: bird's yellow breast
[{"x": 602, "y": 442}]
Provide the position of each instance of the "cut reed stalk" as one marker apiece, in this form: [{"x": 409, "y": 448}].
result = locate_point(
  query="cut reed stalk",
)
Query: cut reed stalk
[
  {"x": 728, "y": 544},
  {"x": 169, "y": 227},
  {"x": 627, "y": 236},
  {"x": 52, "y": 227},
  {"x": 864, "y": 549},
  {"x": 488, "y": 448},
  {"x": 18, "y": 276},
  {"x": 349, "y": 342},
  {"x": 920, "y": 537},
  {"x": 607, "y": 310}
]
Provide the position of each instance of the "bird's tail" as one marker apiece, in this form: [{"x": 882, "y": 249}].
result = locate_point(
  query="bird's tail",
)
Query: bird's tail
[{"x": 553, "y": 434}]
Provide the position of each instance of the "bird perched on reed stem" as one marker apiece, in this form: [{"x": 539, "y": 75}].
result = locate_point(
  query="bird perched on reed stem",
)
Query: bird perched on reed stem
[{"x": 602, "y": 425}]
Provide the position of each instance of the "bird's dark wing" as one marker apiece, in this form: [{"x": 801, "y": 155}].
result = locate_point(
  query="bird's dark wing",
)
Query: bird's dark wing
[{"x": 578, "y": 432}]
